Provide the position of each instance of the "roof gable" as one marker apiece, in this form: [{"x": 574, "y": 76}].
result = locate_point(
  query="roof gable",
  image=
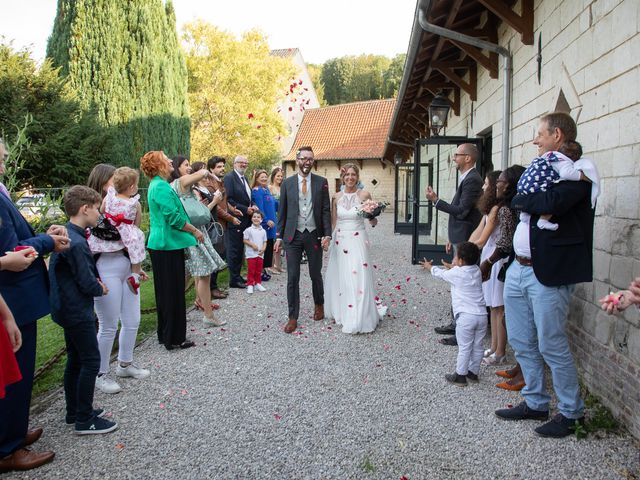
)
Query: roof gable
[{"x": 349, "y": 131}]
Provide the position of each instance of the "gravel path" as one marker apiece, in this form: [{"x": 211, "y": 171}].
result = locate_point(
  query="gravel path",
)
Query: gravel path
[{"x": 252, "y": 402}]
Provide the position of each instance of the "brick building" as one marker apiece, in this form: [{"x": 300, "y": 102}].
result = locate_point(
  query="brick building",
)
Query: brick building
[
  {"x": 577, "y": 56},
  {"x": 349, "y": 133}
]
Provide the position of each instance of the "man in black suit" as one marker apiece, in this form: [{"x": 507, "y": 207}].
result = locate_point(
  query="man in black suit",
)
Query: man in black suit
[
  {"x": 239, "y": 197},
  {"x": 464, "y": 216},
  {"x": 539, "y": 284},
  {"x": 304, "y": 224}
]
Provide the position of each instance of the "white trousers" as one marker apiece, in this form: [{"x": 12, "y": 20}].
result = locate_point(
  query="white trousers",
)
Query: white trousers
[
  {"x": 119, "y": 304},
  {"x": 470, "y": 331}
]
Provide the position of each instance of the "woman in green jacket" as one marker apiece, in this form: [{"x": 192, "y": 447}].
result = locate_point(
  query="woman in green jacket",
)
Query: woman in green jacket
[{"x": 170, "y": 233}]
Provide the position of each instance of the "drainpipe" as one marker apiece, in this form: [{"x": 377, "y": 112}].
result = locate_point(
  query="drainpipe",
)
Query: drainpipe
[
  {"x": 401, "y": 144},
  {"x": 424, "y": 7}
]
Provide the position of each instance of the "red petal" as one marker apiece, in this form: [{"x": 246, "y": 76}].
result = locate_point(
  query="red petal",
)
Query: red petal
[
  {"x": 345, "y": 251},
  {"x": 356, "y": 234},
  {"x": 291, "y": 109},
  {"x": 250, "y": 116},
  {"x": 350, "y": 306},
  {"x": 365, "y": 264}
]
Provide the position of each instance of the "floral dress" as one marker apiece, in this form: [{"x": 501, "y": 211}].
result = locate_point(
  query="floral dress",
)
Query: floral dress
[
  {"x": 121, "y": 212},
  {"x": 202, "y": 259}
]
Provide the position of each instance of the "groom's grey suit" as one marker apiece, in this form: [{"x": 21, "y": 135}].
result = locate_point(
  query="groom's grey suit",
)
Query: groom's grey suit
[{"x": 292, "y": 229}]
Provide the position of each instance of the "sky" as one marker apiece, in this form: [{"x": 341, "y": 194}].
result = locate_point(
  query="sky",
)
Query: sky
[{"x": 320, "y": 29}]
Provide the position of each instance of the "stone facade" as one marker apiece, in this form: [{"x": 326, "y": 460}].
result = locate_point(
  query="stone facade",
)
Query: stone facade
[{"x": 590, "y": 66}]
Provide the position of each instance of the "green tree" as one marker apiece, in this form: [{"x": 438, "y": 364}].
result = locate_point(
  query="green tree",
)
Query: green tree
[
  {"x": 315, "y": 72},
  {"x": 234, "y": 86},
  {"x": 63, "y": 141},
  {"x": 364, "y": 77},
  {"x": 124, "y": 59}
]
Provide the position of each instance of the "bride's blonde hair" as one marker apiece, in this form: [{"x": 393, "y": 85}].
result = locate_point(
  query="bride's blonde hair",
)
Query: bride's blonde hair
[{"x": 345, "y": 168}]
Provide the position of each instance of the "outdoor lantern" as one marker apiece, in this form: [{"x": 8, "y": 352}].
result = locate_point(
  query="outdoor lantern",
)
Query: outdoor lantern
[
  {"x": 438, "y": 113},
  {"x": 397, "y": 158}
]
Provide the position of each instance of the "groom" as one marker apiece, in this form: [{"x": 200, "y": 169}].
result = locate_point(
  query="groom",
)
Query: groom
[{"x": 304, "y": 223}]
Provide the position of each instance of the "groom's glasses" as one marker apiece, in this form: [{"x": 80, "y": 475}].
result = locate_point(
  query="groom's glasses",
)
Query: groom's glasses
[{"x": 305, "y": 159}]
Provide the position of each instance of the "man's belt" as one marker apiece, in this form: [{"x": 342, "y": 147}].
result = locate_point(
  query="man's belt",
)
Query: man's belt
[{"x": 524, "y": 261}]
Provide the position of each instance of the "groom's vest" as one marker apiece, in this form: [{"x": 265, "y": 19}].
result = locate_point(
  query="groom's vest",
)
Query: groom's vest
[{"x": 306, "y": 220}]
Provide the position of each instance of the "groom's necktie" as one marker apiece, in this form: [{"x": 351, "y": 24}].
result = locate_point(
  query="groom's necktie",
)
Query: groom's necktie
[{"x": 304, "y": 186}]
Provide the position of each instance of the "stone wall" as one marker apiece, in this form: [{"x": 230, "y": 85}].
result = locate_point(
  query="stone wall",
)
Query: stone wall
[{"x": 590, "y": 63}]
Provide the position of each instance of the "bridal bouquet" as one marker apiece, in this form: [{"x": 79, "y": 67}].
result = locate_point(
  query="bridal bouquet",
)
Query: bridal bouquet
[{"x": 370, "y": 209}]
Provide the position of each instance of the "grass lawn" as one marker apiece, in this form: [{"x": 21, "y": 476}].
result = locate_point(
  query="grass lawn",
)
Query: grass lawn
[{"x": 51, "y": 339}]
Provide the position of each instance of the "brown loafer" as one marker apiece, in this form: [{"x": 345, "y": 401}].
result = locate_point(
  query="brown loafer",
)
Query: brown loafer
[
  {"x": 25, "y": 459},
  {"x": 218, "y": 294},
  {"x": 32, "y": 436},
  {"x": 291, "y": 326},
  {"x": 512, "y": 387},
  {"x": 318, "y": 313}
]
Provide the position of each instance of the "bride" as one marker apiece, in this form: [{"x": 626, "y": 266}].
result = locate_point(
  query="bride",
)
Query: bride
[{"x": 350, "y": 296}]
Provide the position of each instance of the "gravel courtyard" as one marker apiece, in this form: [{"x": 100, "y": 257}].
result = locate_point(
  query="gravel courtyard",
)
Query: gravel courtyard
[{"x": 251, "y": 402}]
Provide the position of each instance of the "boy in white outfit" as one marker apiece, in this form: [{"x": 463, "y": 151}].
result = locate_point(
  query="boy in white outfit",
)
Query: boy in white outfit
[{"x": 469, "y": 310}]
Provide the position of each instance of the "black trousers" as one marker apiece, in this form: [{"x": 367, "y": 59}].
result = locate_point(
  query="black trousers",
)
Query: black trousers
[
  {"x": 14, "y": 407},
  {"x": 168, "y": 284},
  {"x": 235, "y": 250},
  {"x": 309, "y": 243},
  {"x": 83, "y": 364},
  {"x": 268, "y": 254}
]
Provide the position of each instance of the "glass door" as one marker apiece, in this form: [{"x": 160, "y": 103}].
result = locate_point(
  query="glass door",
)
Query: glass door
[
  {"x": 404, "y": 198},
  {"x": 434, "y": 166}
]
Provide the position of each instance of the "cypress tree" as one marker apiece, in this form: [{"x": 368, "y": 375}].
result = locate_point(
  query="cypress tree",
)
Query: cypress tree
[{"x": 123, "y": 59}]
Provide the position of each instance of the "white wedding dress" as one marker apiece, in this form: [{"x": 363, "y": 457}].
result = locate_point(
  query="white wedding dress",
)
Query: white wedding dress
[{"x": 350, "y": 295}]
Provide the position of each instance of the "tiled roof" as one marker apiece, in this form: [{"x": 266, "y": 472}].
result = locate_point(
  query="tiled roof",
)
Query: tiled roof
[
  {"x": 349, "y": 131},
  {"x": 284, "y": 52}
]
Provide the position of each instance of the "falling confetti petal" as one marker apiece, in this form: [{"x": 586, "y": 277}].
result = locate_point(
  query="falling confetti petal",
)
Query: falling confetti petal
[
  {"x": 119, "y": 446},
  {"x": 250, "y": 116}
]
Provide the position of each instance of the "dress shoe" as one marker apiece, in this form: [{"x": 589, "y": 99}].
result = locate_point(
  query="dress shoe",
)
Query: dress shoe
[
  {"x": 451, "y": 341},
  {"x": 291, "y": 326},
  {"x": 508, "y": 374},
  {"x": 446, "y": 329},
  {"x": 32, "y": 436},
  {"x": 559, "y": 426},
  {"x": 218, "y": 294},
  {"x": 25, "y": 459},
  {"x": 238, "y": 285},
  {"x": 522, "y": 412},
  {"x": 512, "y": 387},
  {"x": 318, "y": 313},
  {"x": 458, "y": 380}
]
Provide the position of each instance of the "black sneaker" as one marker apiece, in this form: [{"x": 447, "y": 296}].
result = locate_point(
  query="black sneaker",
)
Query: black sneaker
[
  {"x": 459, "y": 380},
  {"x": 522, "y": 412},
  {"x": 265, "y": 277},
  {"x": 95, "y": 426},
  {"x": 446, "y": 329},
  {"x": 559, "y": 426},
  {"x": 472, "y": 377},
  {"x": 97, "y": 412}
]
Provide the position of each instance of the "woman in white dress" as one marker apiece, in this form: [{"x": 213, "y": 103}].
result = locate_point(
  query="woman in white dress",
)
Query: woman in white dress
[{"x": 350, "y": 295}]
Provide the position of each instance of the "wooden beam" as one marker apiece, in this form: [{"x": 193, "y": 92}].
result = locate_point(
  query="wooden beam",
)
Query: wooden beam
[
  {"x": 436, "y": 64},
  {"x": 420, "y": 120},
  {"x": 488, "y": 62},
  {"x": 337, "y": 163},
  {"x": 469, "y": 87},
  {"x": 456, "y": 101},
  {"x": 523, "y": 24}
]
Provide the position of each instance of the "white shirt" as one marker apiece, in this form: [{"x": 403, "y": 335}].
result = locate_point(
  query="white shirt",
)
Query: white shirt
[
  {"x": 256, "y": 235},
  {"x": 521, "y": 240},
  {"x": 244, "y": 182},
  {"x": 308, "y": 177},
  {"x": 466, "y": 288}
]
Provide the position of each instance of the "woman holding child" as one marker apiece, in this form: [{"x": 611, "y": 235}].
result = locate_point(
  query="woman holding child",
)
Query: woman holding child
[{"x": 115, "y": 263}]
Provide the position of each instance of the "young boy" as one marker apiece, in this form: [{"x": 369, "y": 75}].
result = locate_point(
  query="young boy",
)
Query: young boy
[
  {"x": 255, "y": 240},
  {"x": 74, "y": 283},
  {"x": 468, "y": 308}
]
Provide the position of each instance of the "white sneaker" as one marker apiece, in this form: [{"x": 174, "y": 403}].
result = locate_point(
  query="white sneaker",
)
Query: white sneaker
[
  {"x": 249, "y": 288},
  {"x": 107, "y": 385},
  {"x": 260, "y": 288},
  {"x": 132, "y": 370}
]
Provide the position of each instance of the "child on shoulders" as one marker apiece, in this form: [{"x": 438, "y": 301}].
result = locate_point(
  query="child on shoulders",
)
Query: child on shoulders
[
  {"x": 74, "y": 283},
  {"x": 469, "y": 309},
  {"x": 255, "y": 241}
]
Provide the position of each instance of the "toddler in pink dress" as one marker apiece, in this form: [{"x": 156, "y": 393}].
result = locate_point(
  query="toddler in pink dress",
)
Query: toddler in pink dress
[{"x": 122, "y": 208}]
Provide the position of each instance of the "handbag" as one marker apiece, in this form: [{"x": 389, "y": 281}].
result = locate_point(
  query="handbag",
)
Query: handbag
[
  {"x": 105, "y": 230},
  {"x": 215, "y": 232},
  {"x": 199, "y": 215}
]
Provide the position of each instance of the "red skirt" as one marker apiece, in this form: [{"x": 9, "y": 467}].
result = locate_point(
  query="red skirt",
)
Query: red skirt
[{"x": 9, "y": 371}]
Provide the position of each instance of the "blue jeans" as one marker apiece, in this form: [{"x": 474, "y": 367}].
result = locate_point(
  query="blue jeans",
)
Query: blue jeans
[
  {"x": 536, "y": 316},
  {"x": 83, "y": 363}
]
